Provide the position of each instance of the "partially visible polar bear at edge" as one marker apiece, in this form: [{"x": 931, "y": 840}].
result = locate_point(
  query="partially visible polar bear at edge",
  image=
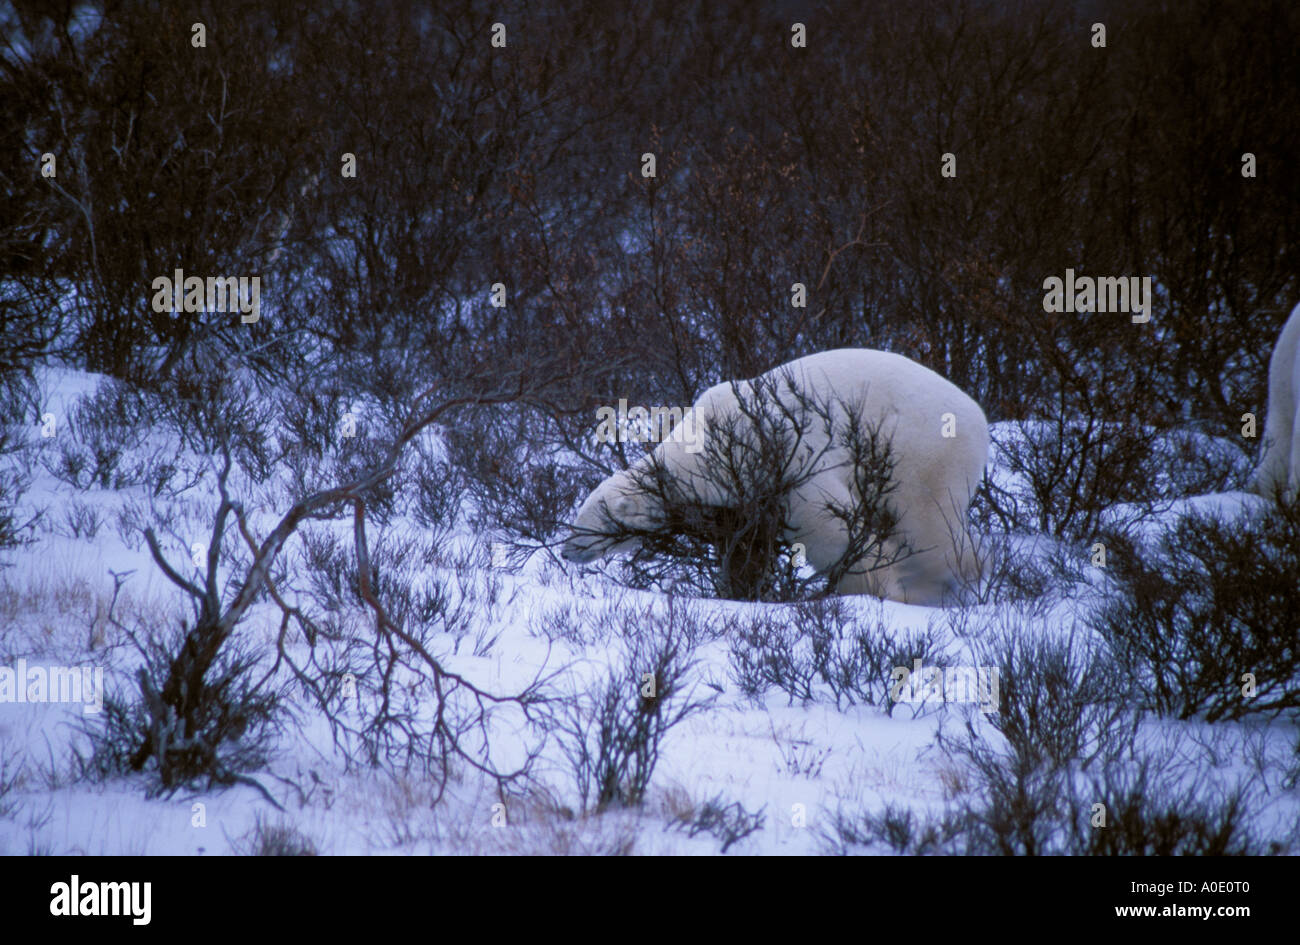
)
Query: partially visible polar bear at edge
[
  {"x": 934, "y": 475},
  {"x": 1280, "y": 468}
]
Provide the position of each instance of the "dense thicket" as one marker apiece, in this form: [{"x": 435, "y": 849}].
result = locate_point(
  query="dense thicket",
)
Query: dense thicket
[{"x": 775, "y": 165}]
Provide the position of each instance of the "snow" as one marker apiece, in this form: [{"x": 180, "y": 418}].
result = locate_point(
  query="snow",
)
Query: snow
[{"x": 771, "y": 756}]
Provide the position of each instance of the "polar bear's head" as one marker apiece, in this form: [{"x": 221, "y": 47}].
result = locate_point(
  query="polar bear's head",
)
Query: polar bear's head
[{"x": 617, "y": 503}]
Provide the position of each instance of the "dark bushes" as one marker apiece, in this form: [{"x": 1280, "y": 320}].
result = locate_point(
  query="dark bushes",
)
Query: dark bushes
[
  {"x": 1203, "y": 619},
  {"x": 612, "y": 733},
  {"x": 200, "y": 719},
  {"x": 819, "y": 649}
]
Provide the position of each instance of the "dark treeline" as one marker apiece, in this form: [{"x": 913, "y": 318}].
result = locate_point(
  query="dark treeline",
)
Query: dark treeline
[{"x": 775, "y": 165}]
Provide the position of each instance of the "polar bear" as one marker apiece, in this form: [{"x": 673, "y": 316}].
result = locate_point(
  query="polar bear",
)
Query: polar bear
[
  {"x": 1280, "y": 468},
  {"x": 940, "y": 445}
]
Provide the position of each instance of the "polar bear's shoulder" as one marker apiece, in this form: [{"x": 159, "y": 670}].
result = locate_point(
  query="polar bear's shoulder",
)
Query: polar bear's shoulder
[{"x": 844, "y": 372}]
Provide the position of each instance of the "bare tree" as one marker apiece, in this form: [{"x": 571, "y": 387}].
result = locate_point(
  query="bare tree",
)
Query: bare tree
[
  {"x": 721, "y": 520},
  {"x": 176, "y": 705}
]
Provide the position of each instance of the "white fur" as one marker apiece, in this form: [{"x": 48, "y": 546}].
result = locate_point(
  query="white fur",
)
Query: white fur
[
  {"x": 1280, "y": 467},
  {"x": 935, "y": 476}
]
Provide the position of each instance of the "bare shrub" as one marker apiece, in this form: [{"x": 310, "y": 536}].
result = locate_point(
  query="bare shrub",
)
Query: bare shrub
[
  {"x": 582, "y": 624},
  {"x": 1061, "y": 700},
  {"x": 199, "y": 720},
  {"x": 518, "y": 484},
  {"x": 800, "y": 757},
  {"x": 820, "y": 649},
  {"x": 82, "y": 519},
  {"x": 436, "y": 490},
  {"x": 1193, "y": 462},
  {"x": 727, "y": 823},
  {"x": 1209, "y": 601},
  {"x": 196, "y": 700},
  {"x": 578, "y": 624},
  {"x": 723, "y": 531},
  {"x": 611, "y": 733},
  {"x": 1016, "y": 807},
  {"x": 312, "y": 417},
  {"x": 160, "y": 437},
  {"x": 13, "y": 776},
  {"x": 1007, "y": 567},
  {"x": 768, "y": 653},
  {"x": 16, "y": 461},
  {"x": 1292, "y": 777},
  {"x": 1065, "y": 472},
  {"x": 1064, "y": 739},
  {"x": 896, "y": 827},
  {"x": 96, "y": 436},
  {"x": 1145, "y": 816}
]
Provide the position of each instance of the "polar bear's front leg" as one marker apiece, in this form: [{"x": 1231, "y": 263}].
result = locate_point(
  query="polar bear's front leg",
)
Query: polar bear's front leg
[
  {"x": 809, "y": 522},
  {"x": 825, "y": 537}
]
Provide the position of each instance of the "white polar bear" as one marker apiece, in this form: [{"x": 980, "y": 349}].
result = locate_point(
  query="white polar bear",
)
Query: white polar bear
[
  {"x": 940, "y": 445},
  {"x": 1280, "y": 468}
]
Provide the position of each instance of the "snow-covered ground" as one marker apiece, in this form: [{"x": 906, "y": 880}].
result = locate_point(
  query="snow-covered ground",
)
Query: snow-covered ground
[{"x": 793, "y": 763}]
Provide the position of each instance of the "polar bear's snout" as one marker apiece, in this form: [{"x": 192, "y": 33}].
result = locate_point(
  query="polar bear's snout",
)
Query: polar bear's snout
[
  {"x": 580, "y": 551},
  {"x": 602, "y": 524},
  {"x": 583, "y": 547}
]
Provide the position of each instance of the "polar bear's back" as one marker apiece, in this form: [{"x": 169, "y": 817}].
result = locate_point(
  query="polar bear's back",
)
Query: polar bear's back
[
  {"x": 876, "y": 378},
  {"x": 902, "y": 395},
  {"x": 899, "y": 393},
  {"x": 894, "y": 393},
  {"x": 886, "y": 383}
]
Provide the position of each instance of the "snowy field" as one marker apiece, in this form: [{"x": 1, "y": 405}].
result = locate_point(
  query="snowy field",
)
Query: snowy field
[{"x": 799, "y": 769}]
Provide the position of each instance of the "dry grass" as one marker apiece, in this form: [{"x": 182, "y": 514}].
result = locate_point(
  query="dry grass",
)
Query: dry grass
[
  {"x": 53, "y": 615},
  {"x": 58, "y": 613},
  {"x": 274, "y": 838},
  {"x": 536, "y": 824}
]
